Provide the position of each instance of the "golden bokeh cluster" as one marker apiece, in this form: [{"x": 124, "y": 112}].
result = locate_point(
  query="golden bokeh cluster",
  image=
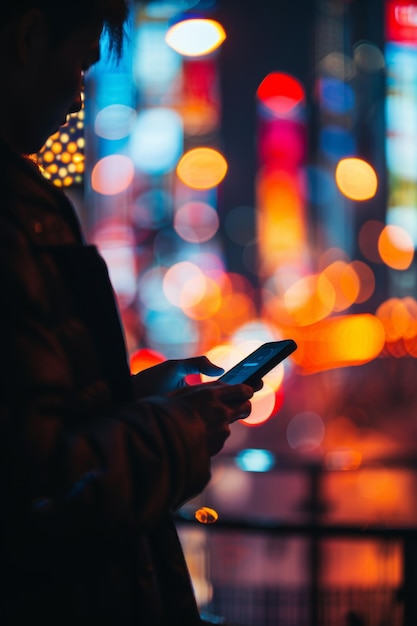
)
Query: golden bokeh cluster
[{"x": 62, "y": 157}]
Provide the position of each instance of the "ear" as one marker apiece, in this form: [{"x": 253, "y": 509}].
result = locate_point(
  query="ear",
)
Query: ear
[{"x": 32, "y": 35}]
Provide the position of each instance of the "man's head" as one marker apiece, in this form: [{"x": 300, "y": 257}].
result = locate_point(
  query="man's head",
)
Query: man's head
[{"x": 45, "y": 48}]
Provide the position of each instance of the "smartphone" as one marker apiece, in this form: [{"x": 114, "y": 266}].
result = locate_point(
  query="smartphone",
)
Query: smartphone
[{"x": 258, "y": 363}]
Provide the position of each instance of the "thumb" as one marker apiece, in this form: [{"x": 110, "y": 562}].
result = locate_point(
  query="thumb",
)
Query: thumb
[{"x": 201, "y": 365}]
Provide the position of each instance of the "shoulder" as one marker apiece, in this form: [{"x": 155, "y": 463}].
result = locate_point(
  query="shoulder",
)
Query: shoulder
[{"x": 36, "y": 206}]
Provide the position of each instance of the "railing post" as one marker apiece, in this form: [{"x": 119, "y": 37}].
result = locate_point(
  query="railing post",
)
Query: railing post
[{"x": 409, "y": 586}]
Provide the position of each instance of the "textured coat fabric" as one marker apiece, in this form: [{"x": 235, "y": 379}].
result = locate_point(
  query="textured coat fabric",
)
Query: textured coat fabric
[{"x": 87, "y": 473}]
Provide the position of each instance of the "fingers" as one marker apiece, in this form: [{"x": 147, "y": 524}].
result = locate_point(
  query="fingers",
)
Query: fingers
[
  {"x": 240, "y": 411},
  {"x": 217, "y": 439},
  {"x": 234, "y": 398},
  {"x": 257, "y": 384},
  {"x": 218, "y": 405},
  {"x": 237, "y": 399},
  {"x": 233, "y": 393}
]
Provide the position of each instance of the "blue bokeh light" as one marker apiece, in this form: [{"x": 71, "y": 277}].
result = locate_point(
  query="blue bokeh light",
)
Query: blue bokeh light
[{"x": 255, "y": 460}]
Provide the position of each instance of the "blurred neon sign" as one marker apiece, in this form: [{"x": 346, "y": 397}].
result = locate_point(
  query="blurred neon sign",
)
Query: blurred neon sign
[{"x": 401, "y": 21}]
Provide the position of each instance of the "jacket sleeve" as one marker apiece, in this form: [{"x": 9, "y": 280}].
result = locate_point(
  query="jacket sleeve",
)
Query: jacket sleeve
[{"x": 70, "y": 459}]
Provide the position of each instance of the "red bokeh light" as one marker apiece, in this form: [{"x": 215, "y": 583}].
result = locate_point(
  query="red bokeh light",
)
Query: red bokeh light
[
  {"x": 144, "y": 358},
  {"x": 280, "y": 92}
]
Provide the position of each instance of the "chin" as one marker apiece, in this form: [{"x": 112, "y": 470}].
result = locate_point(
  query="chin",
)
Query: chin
[
  {"x": 33, "y": 148},
  {"x": 28, "y": 143},
  {"x": 39, "y": 144}
]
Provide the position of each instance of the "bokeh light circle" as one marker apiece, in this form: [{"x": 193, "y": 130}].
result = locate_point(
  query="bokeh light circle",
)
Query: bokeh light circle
[
  {"x": 368, "y": 57},
  {"x": 206, "y": 515},
  {"x": 368, "y": 239},
  {"x": 356, "y": 179},
  {"x": 202, "y": 168},
  {"x": 112, "y": 174},
  {"x": 305, "y": 431},
  {"x": 114, "y": 121},
  {"x": 366, "y": 281},
  {"x": 196, "y": 222},
  {"x": 143, "y": 358},
  {"x": 280, "y": 92},
  {"x": 396, "y": 247},
  {"x": 195, "y": 36},
  {"x": 176, "y": 280},
  {"x": 263, "y": 404}
]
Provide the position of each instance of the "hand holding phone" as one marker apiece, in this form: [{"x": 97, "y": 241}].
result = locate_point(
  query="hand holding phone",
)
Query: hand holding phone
[{"x": 253, "y": 367}]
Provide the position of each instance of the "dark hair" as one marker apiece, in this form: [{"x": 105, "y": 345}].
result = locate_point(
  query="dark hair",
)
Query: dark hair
[{"x": 65, "y": 17}]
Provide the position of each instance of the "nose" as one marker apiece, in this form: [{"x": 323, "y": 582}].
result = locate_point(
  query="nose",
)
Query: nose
[{"x": 78, "y": 101}]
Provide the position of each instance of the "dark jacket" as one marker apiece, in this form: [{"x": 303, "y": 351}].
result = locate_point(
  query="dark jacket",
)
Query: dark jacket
[{"x": 88, "y": 474}]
